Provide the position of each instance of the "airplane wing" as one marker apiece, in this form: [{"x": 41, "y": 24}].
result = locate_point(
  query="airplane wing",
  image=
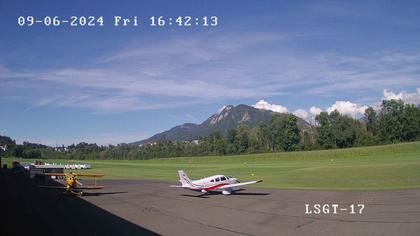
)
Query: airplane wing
[{"x": 239, "y": 184}]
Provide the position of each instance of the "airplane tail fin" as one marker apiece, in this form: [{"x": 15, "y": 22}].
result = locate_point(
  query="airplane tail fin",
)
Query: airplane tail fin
[{"x": 183, "y": 178}]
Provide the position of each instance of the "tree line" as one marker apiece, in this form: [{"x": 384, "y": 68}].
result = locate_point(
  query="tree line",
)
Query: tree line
[{"x": 393, "y": 122}]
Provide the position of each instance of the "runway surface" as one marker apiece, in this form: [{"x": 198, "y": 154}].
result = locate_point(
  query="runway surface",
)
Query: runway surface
[{"x": 154, "y": 206}]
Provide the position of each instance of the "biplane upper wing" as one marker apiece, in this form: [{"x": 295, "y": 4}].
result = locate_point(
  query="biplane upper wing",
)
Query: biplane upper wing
[
  {"x": 53, "y": 174},
  {"x": 90, "y": 175},
  {"x": 76, "y": 174}
]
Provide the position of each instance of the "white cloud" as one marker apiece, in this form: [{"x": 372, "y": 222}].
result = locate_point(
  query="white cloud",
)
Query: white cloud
[
  {"x": 308, "y": 115},
  {"x": 302, "y": 114},
  {"x": 315, "y": 110},
  {"x": 261, "y": 104},
  {"x": 411, "y": 98},
  {"x": 347, "y": 108},
  {"x": 344, "y": 107}
]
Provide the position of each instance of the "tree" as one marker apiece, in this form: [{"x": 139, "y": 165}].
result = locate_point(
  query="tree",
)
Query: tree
[
  {"x": 230, "y": 139},
  {"x": 336, "y": 130},
  {"x": 391, "y": 123},
  {"x": 219, "y": 144},
  {"x": 343, "y": 130},
  {"x": 7, "y": 146},
  {"x": 214, "y": 144},
  {"x": 308, "y": 140},
  {"x": 257, "y": 140},
  {"x": 31, "y": 153},
  {"x": 265, "y": 136},
  {"x": 276, "y": 137},
  {"x": 291, "y": 134},
  {"x": 242, "y": 139},
  {"x": 411, "y": 123},
  {"x": 324, "y": 134},
  {"x": 231, "y": 136},
  {"x": 371, "y": 121},
  {"x": 284, "y": 132}
]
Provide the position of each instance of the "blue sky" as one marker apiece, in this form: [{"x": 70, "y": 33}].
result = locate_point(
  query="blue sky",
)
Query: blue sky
[{"x": 111, "y": 84}]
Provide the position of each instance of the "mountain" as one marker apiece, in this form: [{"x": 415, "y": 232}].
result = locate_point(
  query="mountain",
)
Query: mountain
[{"x": 227, "y": 118}]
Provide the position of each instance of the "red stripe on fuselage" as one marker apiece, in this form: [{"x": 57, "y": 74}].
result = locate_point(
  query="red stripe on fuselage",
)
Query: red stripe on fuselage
[{"x": 215, "y": 186}]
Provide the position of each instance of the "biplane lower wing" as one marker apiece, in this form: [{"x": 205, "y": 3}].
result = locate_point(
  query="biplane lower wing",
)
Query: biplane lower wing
[{"x": 63, "y": 187}]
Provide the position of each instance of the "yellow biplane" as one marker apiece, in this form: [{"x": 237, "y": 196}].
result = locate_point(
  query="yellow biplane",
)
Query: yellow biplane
[{"x": 72, "y": 183}]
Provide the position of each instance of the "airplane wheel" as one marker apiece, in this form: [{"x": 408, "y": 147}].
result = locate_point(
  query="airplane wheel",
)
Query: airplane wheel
[{"x": 225, "y": 192}]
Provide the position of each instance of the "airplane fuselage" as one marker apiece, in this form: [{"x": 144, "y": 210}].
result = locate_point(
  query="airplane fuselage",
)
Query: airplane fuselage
[
  {"x": 212, "y": 183},
  {"x": 223, "y": 183}
]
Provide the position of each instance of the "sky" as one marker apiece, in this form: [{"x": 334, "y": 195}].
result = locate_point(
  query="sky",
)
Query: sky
[{"x": 113, "y": 84}]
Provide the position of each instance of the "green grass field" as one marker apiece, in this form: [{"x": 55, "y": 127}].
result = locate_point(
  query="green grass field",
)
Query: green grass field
[{"x": 381, "y": 167}]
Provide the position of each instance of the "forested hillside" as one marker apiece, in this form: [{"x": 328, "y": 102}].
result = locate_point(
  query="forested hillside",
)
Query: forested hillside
[{"x": 394, "y": 122}]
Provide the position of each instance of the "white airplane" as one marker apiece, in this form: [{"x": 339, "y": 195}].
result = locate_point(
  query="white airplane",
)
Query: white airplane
[{"x": 213, "y": 183}]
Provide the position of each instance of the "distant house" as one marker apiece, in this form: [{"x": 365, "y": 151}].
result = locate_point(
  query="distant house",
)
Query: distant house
[
  {"x": 61, "y": 149},
  {"x": 35, "y": 170}
]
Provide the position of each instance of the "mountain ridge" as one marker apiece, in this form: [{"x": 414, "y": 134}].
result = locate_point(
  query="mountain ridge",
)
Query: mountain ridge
[{"x": 228, "y": 117}]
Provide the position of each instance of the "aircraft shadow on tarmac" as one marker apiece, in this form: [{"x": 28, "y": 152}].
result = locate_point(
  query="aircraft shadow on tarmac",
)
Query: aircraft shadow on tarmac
[
  {"x": 251, "y": 194},
  {"x": 26, "y": 208},
  {"x": 200, "y": 196},
  {"x": 96, "y": 194}
]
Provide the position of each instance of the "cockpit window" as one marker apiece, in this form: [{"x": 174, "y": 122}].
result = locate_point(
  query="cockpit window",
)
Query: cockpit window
[
  {"x": 212, "y": 180},
  {"x": 218, "y": 179},
  {"x": 223, "y": 178}
]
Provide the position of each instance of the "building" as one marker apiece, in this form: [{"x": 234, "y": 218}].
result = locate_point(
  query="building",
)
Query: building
[{"x": 35, "y": 170}]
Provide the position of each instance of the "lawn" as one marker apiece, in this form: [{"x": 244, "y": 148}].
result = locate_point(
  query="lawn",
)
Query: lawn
[{"x": 395, "y": 166}]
